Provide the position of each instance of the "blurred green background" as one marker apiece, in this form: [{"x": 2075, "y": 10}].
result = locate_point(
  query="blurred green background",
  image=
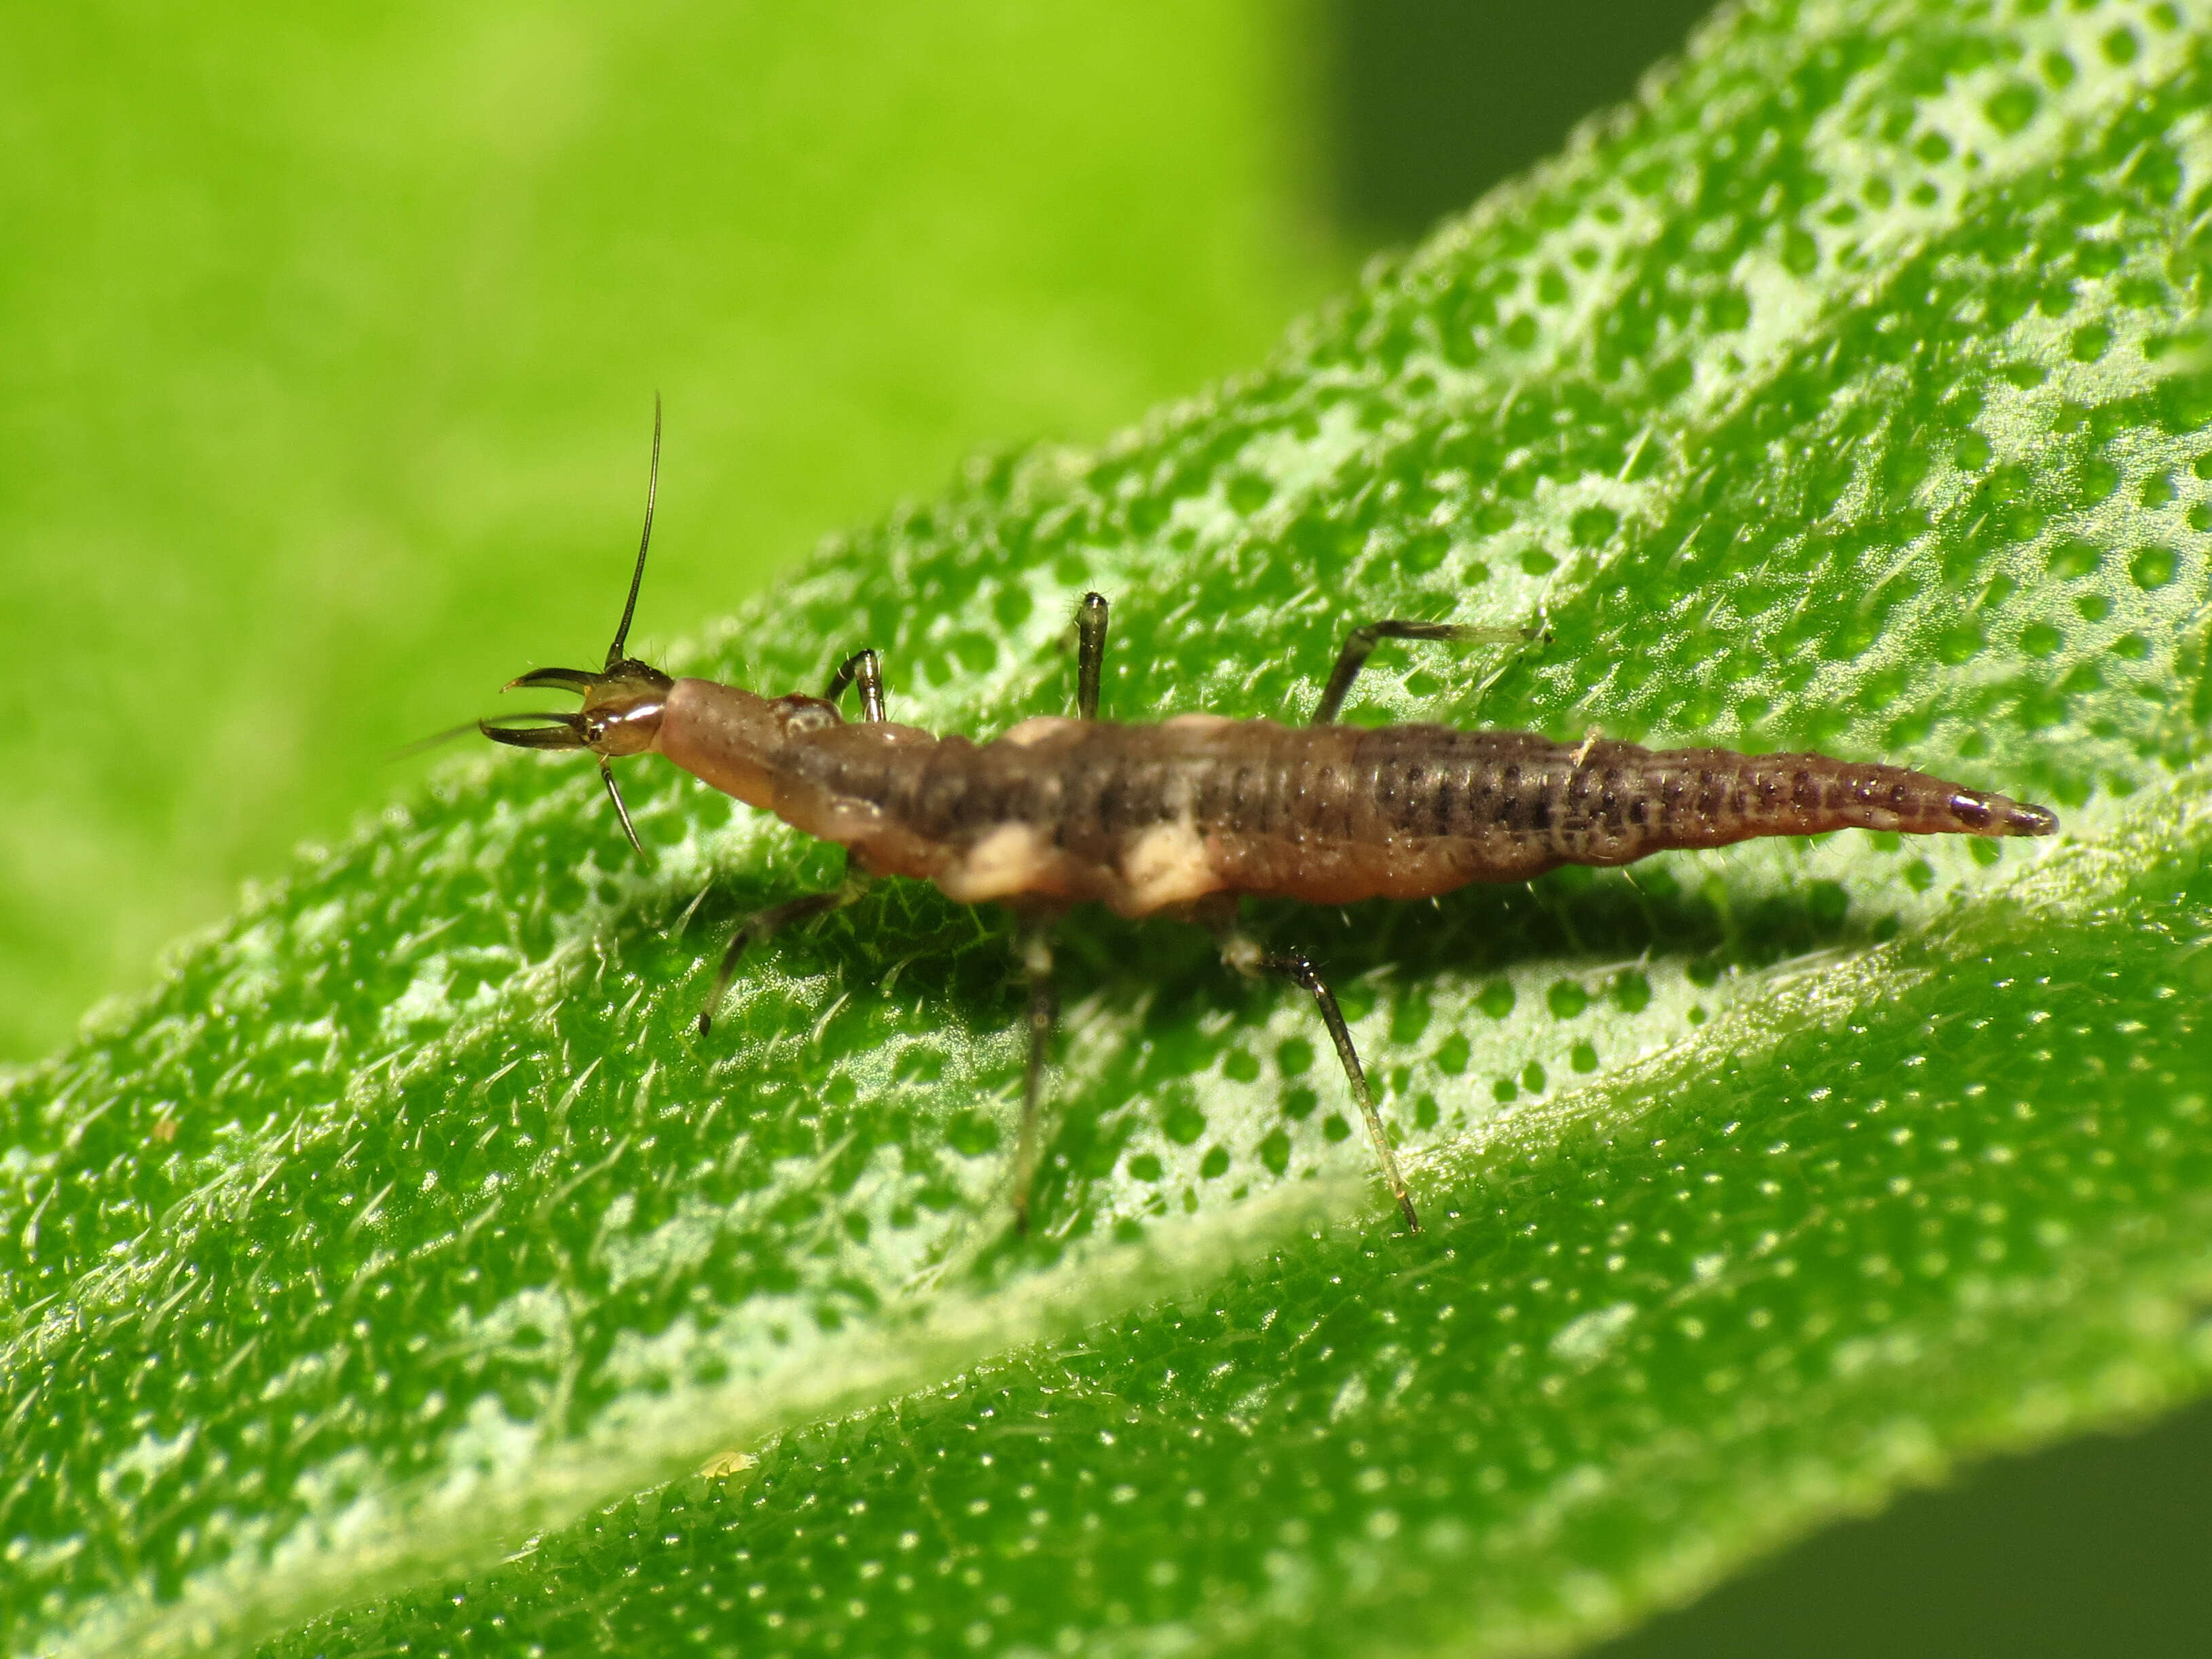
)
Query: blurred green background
[{"x": 328, "y": 343}]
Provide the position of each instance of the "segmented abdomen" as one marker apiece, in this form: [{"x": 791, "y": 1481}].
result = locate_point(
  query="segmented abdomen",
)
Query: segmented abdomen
[
  {"x": 1454, "y": 806},
  {"x": 1148, "y": 817}
]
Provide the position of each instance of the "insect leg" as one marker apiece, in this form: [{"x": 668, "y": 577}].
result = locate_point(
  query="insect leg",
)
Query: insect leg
[
  {"x": 763, "y": 924},
  {"x": 614, "y": 794},
  {"x": 1360, "y": 644},
  {"x": 1247, "y": 958},
  {"x": 1036, "y": 963},
  {"x": 866, "y": 666},
  {"x": 1090, "y": 654}
]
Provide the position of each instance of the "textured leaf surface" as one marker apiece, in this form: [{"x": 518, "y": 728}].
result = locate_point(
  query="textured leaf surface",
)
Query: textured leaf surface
[{"x": 1831, "y": 397}]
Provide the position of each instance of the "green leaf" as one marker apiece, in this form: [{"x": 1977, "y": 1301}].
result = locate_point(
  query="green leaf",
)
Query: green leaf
[{"x": 1841, "y": 394}]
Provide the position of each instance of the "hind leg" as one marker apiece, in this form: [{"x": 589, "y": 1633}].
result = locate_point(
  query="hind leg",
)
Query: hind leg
[
  {"x": 1090, "y": 654},
  {"x": 1360, "y": 644}
]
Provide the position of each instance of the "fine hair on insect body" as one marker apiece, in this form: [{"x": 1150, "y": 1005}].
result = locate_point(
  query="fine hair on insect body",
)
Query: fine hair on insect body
[{"x": 1185, "y": 816}]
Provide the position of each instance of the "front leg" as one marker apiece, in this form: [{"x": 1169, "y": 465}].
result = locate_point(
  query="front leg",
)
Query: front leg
[
  {"x": 765, "y": 924},
  {"x": 866, "y": 666}
]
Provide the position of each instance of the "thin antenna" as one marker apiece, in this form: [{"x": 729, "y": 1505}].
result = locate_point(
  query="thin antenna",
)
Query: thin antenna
[
  {"x": 420, "y": 744},
  {"x": 629, "y": 607}
]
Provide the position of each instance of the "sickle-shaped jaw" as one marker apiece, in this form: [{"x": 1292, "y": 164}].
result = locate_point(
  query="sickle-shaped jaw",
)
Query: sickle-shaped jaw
[
  {"x": 626, "y": 679},
  {"x": 579, "y": 680},
  {"x": 564, "y": 731},
  {"x": 620, "y": 716}
]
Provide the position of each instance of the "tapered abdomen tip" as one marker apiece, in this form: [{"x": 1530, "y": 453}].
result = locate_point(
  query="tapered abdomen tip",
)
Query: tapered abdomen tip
[{"x": 1996, "y": 815}]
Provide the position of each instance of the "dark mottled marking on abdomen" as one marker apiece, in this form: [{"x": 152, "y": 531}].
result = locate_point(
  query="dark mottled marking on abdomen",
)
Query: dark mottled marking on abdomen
[{"x": 1334, "y": 813}]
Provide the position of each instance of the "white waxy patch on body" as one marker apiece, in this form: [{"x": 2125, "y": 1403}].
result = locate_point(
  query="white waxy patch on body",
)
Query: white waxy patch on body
[
  {"x": 1010, "y": 860},
  {"x": 1035, "y": 729},
  {"x": 1194, "y": 722},
  {"x": 1168, "y": 864}
]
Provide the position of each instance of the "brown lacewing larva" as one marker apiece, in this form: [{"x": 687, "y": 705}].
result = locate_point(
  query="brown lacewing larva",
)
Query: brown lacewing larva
[{"x": 1185, "y": 816}]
